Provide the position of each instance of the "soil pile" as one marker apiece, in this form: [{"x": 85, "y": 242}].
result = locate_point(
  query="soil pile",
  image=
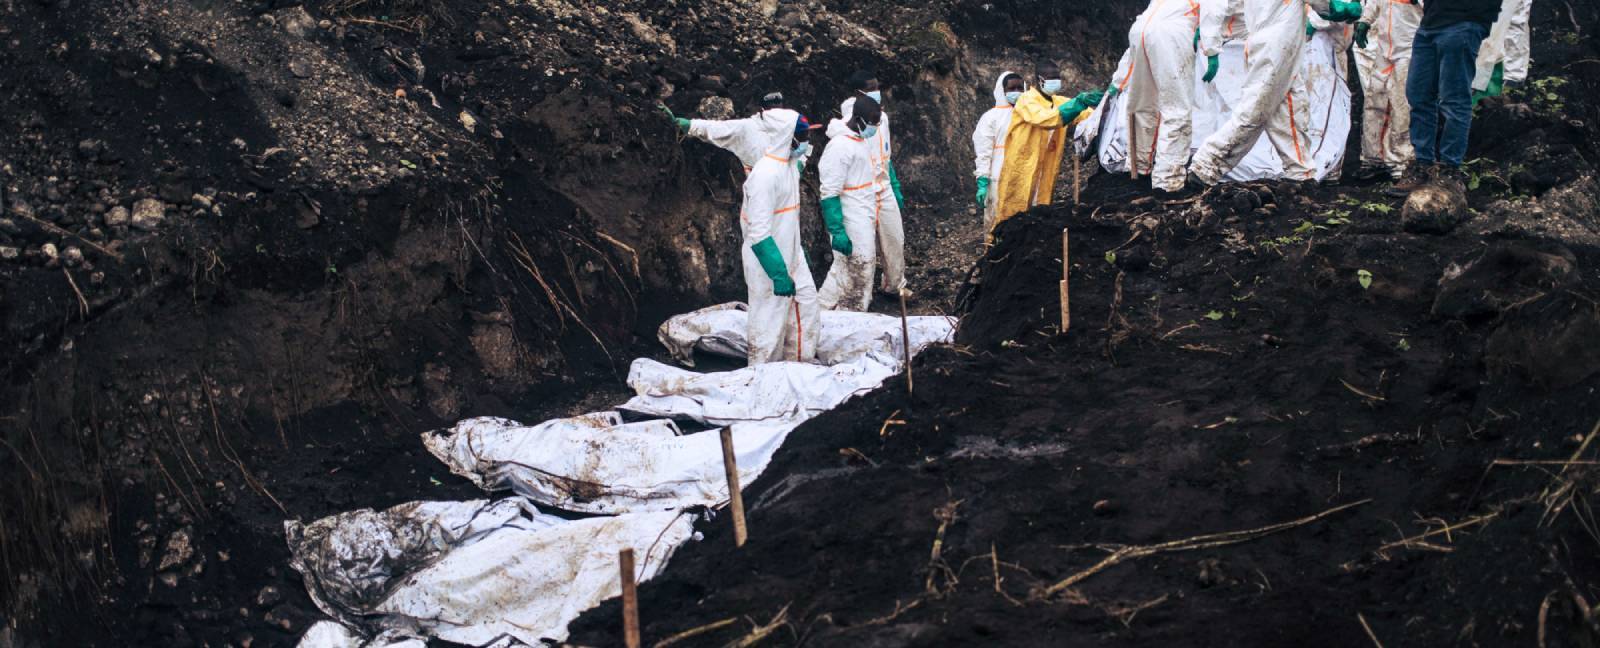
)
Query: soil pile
[{"x": 1279, "y": 418}]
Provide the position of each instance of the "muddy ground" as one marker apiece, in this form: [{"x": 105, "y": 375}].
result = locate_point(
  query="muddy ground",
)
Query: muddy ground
[{"x": 378, "y": 218}]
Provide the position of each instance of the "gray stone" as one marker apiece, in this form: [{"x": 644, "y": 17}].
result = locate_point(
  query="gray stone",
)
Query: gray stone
[
  {"x": 8, "y": 253},
  {"x": 72, "y": 256},
  {"x": 715, "y": 108},
  {"x": 117, "y": 216},
  {"x": 148, "y": 214},
  {"x": 1434, "y": 209},
  {"x": 179, "y": 550}
]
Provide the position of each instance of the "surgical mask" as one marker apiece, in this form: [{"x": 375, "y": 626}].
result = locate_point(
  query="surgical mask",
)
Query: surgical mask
[
  {"x": 1013, "y": 96},
  {"x": 1051, "y": 86},
  {"x": 800, "y": 151},
  {"x": 868, "y": 131},
  {"x": 876, "y": 95}
]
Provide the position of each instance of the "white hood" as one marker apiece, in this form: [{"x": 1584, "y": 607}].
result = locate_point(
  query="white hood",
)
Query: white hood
[
  {"x": 839, "y": 127},
  {"x": 777, "y": 130},
  {"x": 1000, "y": 88}
]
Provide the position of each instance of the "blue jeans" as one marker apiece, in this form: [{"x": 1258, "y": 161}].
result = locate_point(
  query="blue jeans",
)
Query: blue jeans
[{"x": 1443, "y": 62}]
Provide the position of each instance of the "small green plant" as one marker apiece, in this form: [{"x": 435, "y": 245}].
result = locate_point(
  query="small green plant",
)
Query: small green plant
[
  {"x": 1364, "y": 278},
  {"x": 261, "y": 248},
  {"x": 1275, "y": 244},
  {"x": 1111, "y": 257},
  {"x": 408, "y": 164},
  {"x": 1403, "y": 345},
  {"x": 1214, "y": 315},
  {"x": 1545, "y": 94}
]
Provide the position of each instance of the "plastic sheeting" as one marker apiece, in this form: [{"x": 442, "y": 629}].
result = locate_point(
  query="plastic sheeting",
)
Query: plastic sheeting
[
  {"x": 720, "y": 330},
  {"x": 620, "y": 468},
  {"x": 1330, "y": 126},
  {"x": 472, "y": 572},
  {"x": 490, "y": 574}
]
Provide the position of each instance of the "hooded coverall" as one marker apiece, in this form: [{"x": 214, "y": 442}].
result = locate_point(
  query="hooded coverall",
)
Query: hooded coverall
[
  {"x": 1159, "y": 89},
  {"x": 891, "y": 232},
  {"x": 779, "y": 328},
  {"x": 1507, "y": 48},
  {"x": 1035, "y": 140},
  {"x": 847, "y": 172},
  {"x": 1384, "y": 64},
  {"x": 1271, "y": 101},
  {"x": 989, "y": 145}
]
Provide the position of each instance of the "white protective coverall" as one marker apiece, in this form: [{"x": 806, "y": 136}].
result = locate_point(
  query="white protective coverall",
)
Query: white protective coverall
[
  {"x": 891, "y": 233},
  {"x": 1384, "y": 65},
  {"x": 780, "y": 328},
  {"x": 1342, "y": 36},
  {"x": 846, "y": 171},
  {"x": 1159, "y": 90},
  {"x": 989, "y": 146},
  {"x": 1508, "y": 44},
  {"x": 1271, "y": 102},
  {"x": 746, "y": 138}
]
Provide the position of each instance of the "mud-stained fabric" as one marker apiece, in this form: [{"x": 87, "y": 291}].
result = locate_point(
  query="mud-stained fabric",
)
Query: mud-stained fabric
[
  {"x": 1384, "y": 65},
  {"x": 846, "y": 172},
  {"x": 1159, "y": 90}
]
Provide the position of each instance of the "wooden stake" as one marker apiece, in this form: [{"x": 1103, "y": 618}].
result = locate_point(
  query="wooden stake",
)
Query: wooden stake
[
  {"x": 730, "y": 465},
  {"x": 1066, "y": 309},
  {"x": 905, "y": 339},
  {"x": 630, "y": 600},
  {"x": 1077, "y": 178},
  {"x": 1133, "y": 144}
]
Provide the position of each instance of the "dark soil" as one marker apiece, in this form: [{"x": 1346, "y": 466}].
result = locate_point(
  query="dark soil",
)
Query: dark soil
[
  {"x": 373, "y": 269},
  {"x": 1226, "y": 370}
]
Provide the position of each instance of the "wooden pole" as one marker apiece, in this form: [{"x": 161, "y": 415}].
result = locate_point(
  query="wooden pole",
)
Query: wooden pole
[
  {"x": 1066, "y": 310},
  {"x": 905, "y": 339},
  {"x": 1077, "y": 178},
  {"x": 730, "y": 465},
  {"x": 630, "y": 600},
  {"x": 1133, "y": 143}
]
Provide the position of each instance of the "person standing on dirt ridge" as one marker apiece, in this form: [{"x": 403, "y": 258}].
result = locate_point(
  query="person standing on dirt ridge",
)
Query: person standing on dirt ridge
[
  {"x": 1272, "y": 101},
  {"x": 1443, "y": 56},
  {"x": 1383, "y": 61},
  {"x": 849, "y": 190},
  {"x": 783, "y": 322},
  {"x": 989, "y": 141},
  {"x": 745, "y": 138},
  {"x": 891, "y": 202},
  {"x": 1159, "y": 91},
  {"x": 1035, "y": 141}
]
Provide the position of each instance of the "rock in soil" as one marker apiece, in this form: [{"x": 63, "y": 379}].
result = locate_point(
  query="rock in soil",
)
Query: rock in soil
[
  {"x": 148, "y": 214},
  {"x": 1434, "y": 209}
]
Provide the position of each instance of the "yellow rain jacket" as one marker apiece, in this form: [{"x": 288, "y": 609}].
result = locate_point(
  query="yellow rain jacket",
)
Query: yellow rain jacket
[{"x": 1034, "y": 143}]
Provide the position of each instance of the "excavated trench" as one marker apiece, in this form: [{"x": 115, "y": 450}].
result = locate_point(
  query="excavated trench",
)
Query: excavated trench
[
  {"x": 370, "y": 221},
  {"x": 383, "y": 217}
]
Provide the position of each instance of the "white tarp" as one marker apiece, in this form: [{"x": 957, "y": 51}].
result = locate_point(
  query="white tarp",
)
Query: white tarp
[
  {"x": 473, "y": 572},
  {"x": 489, "y": 574},
  {"x": 1329, "y": 129},
  {"x": 617, "y": 469},
  {"x": 772, "y": 392},
  {"x": 720, "y": 330}
]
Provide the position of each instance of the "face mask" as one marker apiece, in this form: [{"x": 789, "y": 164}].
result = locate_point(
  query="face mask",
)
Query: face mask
[
  {"x": 800, "y": 151},
  {"x": 1051, "y": 86},
  {"x": 876, "y": 95},
  {"x": 868, "y": 131},
  {"x": 1013, "y": 96}
]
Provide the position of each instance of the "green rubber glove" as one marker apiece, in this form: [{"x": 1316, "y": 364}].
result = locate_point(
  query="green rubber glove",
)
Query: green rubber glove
[
  {"x": 683, "y": 124},
  {"x": 1196, "y": 40},
  {"x": 1343, "y": 11},
  {"x": 772, "y": 262},
  {"x": 983, "y": 192},
  {"x": 833, "y": 220},
  {"x": 1110, "y": 91},
  {"x": 1361, "y": 34},
  {"x": 1211, "y": 68},
  {"x": 1084, "y": 101},
  {"x": 1311, "y": 30},
  {"x": 894, "y": 183}
]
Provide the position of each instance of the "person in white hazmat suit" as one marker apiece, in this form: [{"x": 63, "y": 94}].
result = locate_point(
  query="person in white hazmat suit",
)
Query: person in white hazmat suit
[
  {"x": 1383, "y": 61},
  {"x": 1159, "y": 91},
  {"x": 849, "y": 192},
  {"x": 891, "y": 203},
  {"x": 1505, "y": 56},
  {"x": 1271, "y": 102},
  {"x": 783, "y": 316},
  {"x": 989, "y": 141}
]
